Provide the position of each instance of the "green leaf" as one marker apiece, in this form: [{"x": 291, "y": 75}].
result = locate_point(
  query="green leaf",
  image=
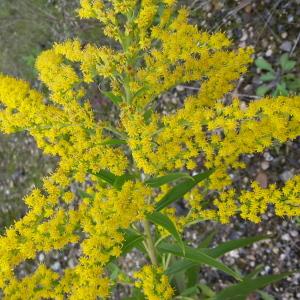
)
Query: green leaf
[
  {"x": 246, "y": 287},
  {"x": 266, "y": 296},
  {"x": 281, "y": 89},
  {"x": 120, "y": 180},
  {"x": 136, "y": 295},
  {"x": 267, "y": 77},
  {"x": 285, "y": 63},
  {"x": 181, "y": 189},
  {"x": 84, "y": 194},
  {"x": 180, "y": 284},
  {"x": 106, "y": 176},
  {"x": 179, "y": 266},
  {"x": 206, "y": 290},
  {"x": 207, "y": 240},
  {"x": 254, "y": 273},
  {"x": 159, "y": 181},
  {"x": 263, "y": 64},
  {"x": 114, "y": 142},
  {"x": 114, "y": 270},
  {"x": 191, "y": 291},
  {"x": 186, "y": 264},
  {"x": 192, "y": 275},
  {"x": 115, "y": 181},
  {"x": 293, "y": 85},
  {"x": 198, "y": 256},
  {"x": 115, "y": 99},
  {"x": 232, "y": 245},
  {"x": 131, "y": 240},
  {"x": 164, "y": 221},
  {"x": 262, "y": 90},
  {"x": 140, "y": 92},
  {"x": 147, "y": 115}
]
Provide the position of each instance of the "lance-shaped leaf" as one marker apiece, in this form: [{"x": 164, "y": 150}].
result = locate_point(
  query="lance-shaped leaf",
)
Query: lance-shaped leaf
[
  {"x": 254, "y": 273},
  {"x": 112, "y": 179},
  {"x": 265, "y": 296},
  {"x": 165, "y": 222},
  {"x": 114, "y": 98},
  {"x": 243, "y": 289},
  {"x": 198, "y": 256},
  {"x": 216, "y": 252},
  {"x": 106, "y": 176},
  {"x": 84, "y": 194},
  {"x": 131, "y": 240},
  {"x": 180, "y": 265},
  {"x": 181, "y": 189},
  {"x": 159, "y": 181},
  {"x": 232, "y": 245}
]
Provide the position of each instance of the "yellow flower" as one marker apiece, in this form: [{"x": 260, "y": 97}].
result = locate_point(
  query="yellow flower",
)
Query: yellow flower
[
  {"x": 154, "y": 283},
  {"x": 158, "y": 50}
]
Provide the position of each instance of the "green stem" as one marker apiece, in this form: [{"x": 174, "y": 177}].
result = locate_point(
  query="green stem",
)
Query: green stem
[
  {"x": 150, "y": 243},
  {"x": 116, "y": 132}
]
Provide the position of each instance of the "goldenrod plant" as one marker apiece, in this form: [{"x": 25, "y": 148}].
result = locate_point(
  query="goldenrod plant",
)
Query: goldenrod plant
[{"x": 132, "y": 170}]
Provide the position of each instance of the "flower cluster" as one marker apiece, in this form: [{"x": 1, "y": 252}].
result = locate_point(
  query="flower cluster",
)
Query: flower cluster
[
  {"x": 154, "y": 283},
  {"x": 156, "y": 49}
]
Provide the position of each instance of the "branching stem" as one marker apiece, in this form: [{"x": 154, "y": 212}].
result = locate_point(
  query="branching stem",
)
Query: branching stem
[{"x": 150, "y": 243}]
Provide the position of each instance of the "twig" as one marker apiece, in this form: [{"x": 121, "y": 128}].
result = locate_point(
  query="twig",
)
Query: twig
[
  {"x": 232, "y": 12},
  {"x": 231, "y": 93},
  {"x": 295, "y": 45},
  {"x": 268, "y": 20}
]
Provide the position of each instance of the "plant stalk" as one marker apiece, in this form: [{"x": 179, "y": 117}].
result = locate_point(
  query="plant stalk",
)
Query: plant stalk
[{"x": 150, "y": 243}]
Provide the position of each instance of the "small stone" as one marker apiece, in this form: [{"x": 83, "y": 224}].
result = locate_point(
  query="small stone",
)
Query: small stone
[
  {"x": 265, "y": 165},
  {"x": 245, "y": 179},
  {"x": 294, "y": 233},
  {"x": 269, "y": 52},
  {"x": 262, "y": 179},
  {"x": 234, "y": 254},
  {"x": 286, "y": 175},
  {"x": 284, "y": 35},
  {"x": 268, "y": 156},
  {"x": 56, "y": 266},
  {"x": 179, "y": 88},
  {"x": 290, "y": 18},
  {"x": 41, "y": 257},
  {"x": 243, "y": 105},
  {"x": 247, "y": 88},
  {"x": 286, "y": 237},
  {"x": 242, "y": 44},
  {"x": 265, "y": 43},
  {"x": 286, "y": 46},
  {"x": 244, "y": 36},
  {"x": 282, "y": 257},
  {"x": 207, "y": 7},
  {"x": 248, "y": 9},
  {"x": 71, "y": 263},
  {"x": 275, "y": 250},
  {"x": 267, "y": 269}
]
